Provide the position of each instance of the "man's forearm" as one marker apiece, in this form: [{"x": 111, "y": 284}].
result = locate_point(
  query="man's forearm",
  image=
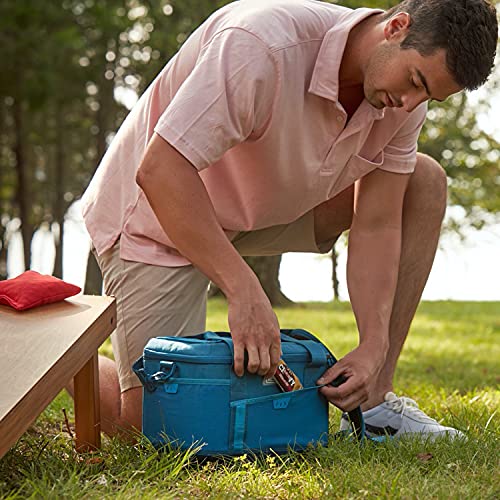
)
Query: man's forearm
[
  {"x": 372, "y": 272},
  {"x": 181, "y": 203}
]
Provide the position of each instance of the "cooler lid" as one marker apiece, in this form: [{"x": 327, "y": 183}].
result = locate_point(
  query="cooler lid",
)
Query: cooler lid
[{"x": 216, "y": 347}]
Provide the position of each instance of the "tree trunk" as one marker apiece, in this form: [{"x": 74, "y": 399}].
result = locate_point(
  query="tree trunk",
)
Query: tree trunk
[
  {"x": 335, "y": 279},
  {"x": 267, "y": 270},
  {"x": 3, "y": 252},
  {"x": 93, "y": 277},
  {"x": 22, "y": 192},
  {"x": 59, "y": 192},
  {"x": 3, "y": 229}
]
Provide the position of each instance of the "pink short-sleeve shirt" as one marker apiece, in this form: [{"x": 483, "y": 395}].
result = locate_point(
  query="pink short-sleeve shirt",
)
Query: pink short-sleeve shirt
[{"x": 251, "y": 100}]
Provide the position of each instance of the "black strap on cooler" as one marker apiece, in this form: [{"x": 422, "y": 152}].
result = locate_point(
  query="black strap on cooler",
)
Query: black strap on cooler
[{"x": 356, "y": 415}]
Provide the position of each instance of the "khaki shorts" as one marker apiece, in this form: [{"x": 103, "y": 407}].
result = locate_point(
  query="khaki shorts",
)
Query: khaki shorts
[{"x": 155, "y": 301}]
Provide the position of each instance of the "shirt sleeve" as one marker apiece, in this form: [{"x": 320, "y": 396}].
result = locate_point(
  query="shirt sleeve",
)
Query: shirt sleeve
[
  {"x": 400, "y": 155},
  {"x": 227, "y": 97}
]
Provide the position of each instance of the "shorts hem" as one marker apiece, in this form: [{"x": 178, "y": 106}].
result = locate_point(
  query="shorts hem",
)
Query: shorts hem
[{"x": 129, "y": 382}]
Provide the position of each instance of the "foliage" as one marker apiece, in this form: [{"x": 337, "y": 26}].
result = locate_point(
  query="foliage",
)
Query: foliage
[
  {"x": 448, "y": 365},
  {"x": 70, "y": 50}
]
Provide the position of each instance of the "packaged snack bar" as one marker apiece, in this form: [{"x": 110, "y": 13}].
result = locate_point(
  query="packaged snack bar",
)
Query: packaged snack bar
[{"x": 286, "y": 380}]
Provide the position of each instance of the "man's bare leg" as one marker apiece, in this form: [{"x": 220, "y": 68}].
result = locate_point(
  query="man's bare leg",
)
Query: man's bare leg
[
  {"x": 120, "y": 412},
  {"x": 423, "y": 211}
]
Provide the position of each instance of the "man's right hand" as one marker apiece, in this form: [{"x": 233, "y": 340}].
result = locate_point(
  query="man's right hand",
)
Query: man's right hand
[{"x": 254, "y": 329}]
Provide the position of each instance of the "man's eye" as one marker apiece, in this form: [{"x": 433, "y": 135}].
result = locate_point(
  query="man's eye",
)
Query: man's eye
[{"x": 414, "y": 83}]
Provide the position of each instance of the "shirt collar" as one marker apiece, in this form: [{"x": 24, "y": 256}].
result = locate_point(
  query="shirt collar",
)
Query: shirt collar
[{"x": 325, "y": 77}]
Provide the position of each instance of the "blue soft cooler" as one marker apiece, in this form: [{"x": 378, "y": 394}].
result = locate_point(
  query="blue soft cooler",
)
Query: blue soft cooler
[{"x": 192, "y": 396}]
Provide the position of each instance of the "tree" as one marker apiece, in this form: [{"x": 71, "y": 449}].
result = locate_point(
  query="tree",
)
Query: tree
[
  {"x": 58, "y": 109},
  {"x": 51, "y": 102}
]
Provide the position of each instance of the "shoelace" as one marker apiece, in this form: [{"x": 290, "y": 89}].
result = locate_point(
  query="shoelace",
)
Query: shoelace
[{"x": 407, "y": 405}]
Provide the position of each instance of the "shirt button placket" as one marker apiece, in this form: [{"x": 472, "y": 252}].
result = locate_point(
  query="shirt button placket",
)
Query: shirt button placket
[{"x": 327, "y": 170}]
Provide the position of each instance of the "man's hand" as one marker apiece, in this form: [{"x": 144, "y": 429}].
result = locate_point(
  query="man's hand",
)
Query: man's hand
[
  {"x": 255, "y": 329},
  {"x": 360, "y": 367}
]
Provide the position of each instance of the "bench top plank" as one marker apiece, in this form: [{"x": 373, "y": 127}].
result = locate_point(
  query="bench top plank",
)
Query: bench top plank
[{"x": 40, "y": 350}]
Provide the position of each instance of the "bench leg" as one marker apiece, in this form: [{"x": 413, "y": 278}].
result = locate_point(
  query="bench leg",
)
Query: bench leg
[{"x": 87, "y": 407}]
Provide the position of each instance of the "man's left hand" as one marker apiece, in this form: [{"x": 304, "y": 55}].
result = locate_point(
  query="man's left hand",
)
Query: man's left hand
[{"x": 360, "y": 367}]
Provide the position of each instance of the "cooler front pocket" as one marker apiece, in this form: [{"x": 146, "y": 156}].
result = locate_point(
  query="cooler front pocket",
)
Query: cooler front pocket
[
  {"x": 194, "y": 408},
  {"x": 290, "y": 419}
]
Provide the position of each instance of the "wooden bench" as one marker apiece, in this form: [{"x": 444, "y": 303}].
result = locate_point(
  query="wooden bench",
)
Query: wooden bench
[{"x": 40, "y": 350}]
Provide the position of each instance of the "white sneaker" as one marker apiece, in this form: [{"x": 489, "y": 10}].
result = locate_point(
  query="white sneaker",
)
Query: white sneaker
[{"x": 400, "y": 416}]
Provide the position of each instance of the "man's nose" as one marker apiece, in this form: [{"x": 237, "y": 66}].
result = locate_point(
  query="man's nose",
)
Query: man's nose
[{"x": 410, "y": 101}]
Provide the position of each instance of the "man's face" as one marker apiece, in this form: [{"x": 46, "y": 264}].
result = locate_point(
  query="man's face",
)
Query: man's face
[{"x": 396, "y": 77}]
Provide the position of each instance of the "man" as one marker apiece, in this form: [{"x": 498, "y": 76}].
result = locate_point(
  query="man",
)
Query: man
[{"x": 279, "y": 125}]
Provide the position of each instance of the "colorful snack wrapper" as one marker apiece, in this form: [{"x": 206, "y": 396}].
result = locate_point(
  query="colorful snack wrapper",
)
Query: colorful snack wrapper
[{"x": 286, "y": 380}]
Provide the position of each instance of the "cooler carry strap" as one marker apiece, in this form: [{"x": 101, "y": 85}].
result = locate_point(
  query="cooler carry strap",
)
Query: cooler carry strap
[{"x": 316, "y": 349}]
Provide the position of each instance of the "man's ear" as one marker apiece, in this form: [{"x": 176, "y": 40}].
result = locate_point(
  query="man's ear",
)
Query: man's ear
[{"x": 397, "y": 26}]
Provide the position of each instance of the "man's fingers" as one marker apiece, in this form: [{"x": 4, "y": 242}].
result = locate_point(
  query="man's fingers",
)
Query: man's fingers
[
  {"x": 350, "y": 403},
  {"x": 345, "y": 404},
  {"x": 330, "y": 374},
  {"x": 265, "y": 361},
  {"x": 275, "y": 358},
  {"x": 254, "y": 326},
  {"x": 353, "y": 401},
  {"x": 347, "y": 396},
  {"x": 261, "y": 359},
  {"x": 253, "y": 359},
  {"x": 239, "y": 357},
  {"x": 342, "y": 391}
]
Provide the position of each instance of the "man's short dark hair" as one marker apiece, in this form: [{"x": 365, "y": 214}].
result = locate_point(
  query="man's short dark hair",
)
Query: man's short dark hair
[{"x": 466, "y": 29}]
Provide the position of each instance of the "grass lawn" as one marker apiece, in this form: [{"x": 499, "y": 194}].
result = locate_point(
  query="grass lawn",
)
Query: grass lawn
[{"x": 450, "y": 365}]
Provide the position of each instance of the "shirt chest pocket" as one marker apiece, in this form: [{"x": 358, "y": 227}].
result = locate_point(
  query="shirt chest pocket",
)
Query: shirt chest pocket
[{"x": 355, "y": 168}]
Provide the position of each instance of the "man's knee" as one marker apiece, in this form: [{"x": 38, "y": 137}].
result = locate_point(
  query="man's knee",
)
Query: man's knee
[
  {"x": 431, "y": 173},
  {"x": 429, "y": 181}
]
